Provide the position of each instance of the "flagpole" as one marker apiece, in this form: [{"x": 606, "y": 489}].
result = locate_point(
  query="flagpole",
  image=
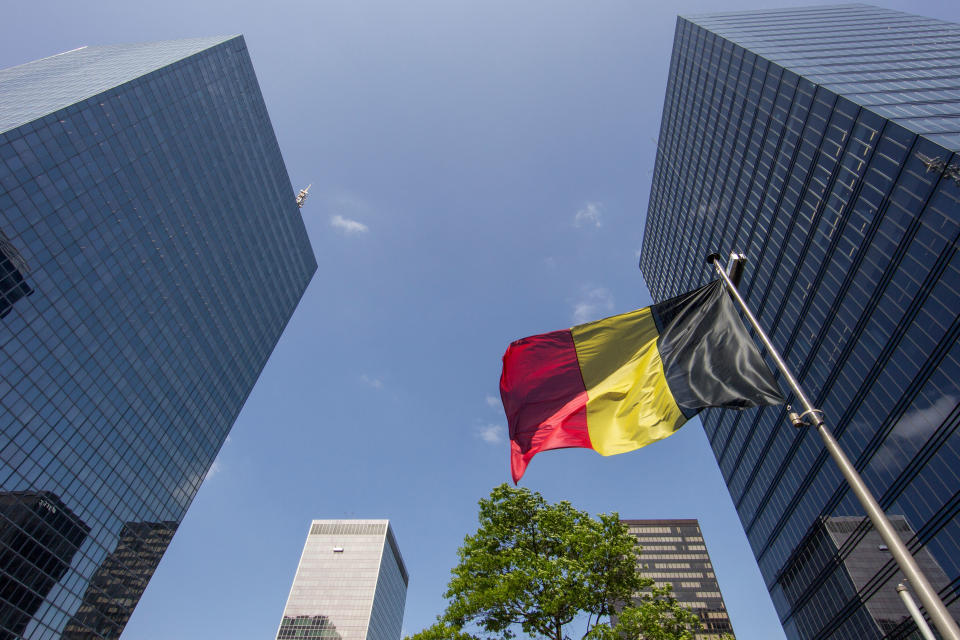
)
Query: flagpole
[
  {"x": 914, "y": 610},
  {"x": 812, "y": 416}
]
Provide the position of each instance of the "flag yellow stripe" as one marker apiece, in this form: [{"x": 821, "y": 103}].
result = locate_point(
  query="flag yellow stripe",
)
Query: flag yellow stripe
[{"x": 629, "y": 404}]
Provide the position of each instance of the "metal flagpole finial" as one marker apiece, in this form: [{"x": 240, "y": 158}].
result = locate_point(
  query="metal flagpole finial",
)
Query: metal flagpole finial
[
  {"x": 302, "y": 196},
  {"x": 735, "y": 265}
]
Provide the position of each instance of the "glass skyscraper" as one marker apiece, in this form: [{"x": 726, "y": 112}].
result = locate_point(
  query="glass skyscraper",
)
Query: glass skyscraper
[
  {"x": 351, "y": 584},
  {"x": 151, "y": 253},
  {"x": 120, "y": 579},
  {"x": 821, "y": 142},
  {"x": 675, "y": 553},
  {"x": 862, "y": 555}
]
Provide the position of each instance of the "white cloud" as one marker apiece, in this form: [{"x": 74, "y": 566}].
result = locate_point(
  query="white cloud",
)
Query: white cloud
[
  {"x": 707, "y": 211},
  {"x": 348, "y": 226},
  {"x": 492, "y": 433},
  {"x": 909, "y": 434},
  {"x": 493, "y": 401},
  {"x": 215, "y": 468},
  {"x": 589, "y": 214},
  {"x": 190, "y": 484},
  {"x": 920, "y": 423},
  {"x": 594, "y": 303},
  {"x": 376, "y": 383}
]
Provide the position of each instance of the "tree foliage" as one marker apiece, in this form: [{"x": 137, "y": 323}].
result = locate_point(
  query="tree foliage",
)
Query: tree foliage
[
  {"x": 656, "y": 615},
  {"x": 535, "y": 567}
]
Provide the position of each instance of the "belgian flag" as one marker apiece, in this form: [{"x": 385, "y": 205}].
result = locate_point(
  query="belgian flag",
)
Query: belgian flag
[{"x": 620, "y": 383}]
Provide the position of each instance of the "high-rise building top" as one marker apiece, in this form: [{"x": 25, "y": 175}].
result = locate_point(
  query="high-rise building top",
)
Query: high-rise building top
[
  {"x": 900, "y": 66},
  {"x": 151, "y": 253},
  {"x": 38, "y": 88},
  {"x": 863, "y": 551},
  {"x": 351, "y": 584},
  {"x": 675, "y": 553},
  {"x": 848, "y": 218}
]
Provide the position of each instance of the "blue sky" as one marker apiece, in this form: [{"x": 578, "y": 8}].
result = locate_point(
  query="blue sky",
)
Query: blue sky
[{"x": 480, "y": 172}]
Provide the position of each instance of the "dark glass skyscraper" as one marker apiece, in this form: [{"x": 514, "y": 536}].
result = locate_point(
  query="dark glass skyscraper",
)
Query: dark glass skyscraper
[
  {"x": 863, "y": 554},
  {"x": 120, "y": 580},
  {"x": 675, "y": 553},
  {"x": 39, "y": 537},
  {"x": 151, "y": 254},
  {"x": 821, "y": 143}
]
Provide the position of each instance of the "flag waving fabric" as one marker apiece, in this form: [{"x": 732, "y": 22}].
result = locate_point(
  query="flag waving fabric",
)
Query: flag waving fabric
[{"x": 620, "y": 383}]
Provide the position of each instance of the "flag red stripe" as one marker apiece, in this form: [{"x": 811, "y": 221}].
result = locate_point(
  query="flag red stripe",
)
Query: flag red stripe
[{"x": 543, "y": 396}]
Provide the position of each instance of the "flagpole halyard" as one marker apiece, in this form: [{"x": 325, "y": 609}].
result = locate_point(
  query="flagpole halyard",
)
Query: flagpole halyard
[{"x": 812, "y": 416}]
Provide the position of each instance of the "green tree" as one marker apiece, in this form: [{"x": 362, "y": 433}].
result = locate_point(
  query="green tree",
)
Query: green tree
[
  {"x": 656, "y": 615},
  {"x": 535, "y": 567}
]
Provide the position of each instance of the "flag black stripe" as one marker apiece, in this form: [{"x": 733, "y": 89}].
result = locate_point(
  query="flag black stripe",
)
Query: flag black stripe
[{"x": 708, "y": 357}]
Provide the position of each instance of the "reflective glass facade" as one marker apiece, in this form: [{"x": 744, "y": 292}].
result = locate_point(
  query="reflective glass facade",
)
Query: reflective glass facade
[
  {"x": 863, "y": 553},
  {"x": 351, "y": 584},
  {"x": 821, "y": 142},
  {"x": 120, "y": 579},
  {"x": 675, "y": 553},
  {"x": 151, "y": 254}
]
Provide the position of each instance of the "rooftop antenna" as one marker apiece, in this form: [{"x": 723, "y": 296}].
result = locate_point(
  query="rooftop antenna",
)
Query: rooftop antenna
[{"x": 302, "y": 196}]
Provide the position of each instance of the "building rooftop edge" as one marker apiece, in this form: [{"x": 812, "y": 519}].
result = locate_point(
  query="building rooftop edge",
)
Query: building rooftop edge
[
  {"x": 41, "y": 87},
  {"x": 352, "y": 520},
  {"x": 793, "y": 9},
  {"x": 217, "y": 39}
]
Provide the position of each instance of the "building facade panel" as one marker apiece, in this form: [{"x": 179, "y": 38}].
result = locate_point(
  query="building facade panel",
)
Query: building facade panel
[
  {"x": 837, "y": 176},
  {"x": 145, "y": 204}
]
